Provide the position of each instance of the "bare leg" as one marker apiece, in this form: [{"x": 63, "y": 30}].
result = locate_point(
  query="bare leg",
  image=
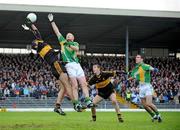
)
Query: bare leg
[
  {"x": 116, "y": 106},
  {"x": 59, "y": 100},
  {"x": 153, "y": 107},
  {"x": 74, "y": 85},
  {"x": 146, "y": 107},
  {"x": 83, "y": 84},
  {"x": 61, "y": 93},
  {"x": 150, "y": 104},
  {"x": 96, "y": 100},
  {"x": 65, "y": 82}
]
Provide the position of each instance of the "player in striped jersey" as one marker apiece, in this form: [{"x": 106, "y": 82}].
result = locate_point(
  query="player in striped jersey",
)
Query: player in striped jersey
[
  {"x": 46, "y": 52},
  {"x": 105, "y": 90}
]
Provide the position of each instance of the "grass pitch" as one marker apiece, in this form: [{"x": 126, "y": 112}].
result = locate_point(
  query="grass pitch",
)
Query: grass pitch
[{"x": 81, "y": 121}]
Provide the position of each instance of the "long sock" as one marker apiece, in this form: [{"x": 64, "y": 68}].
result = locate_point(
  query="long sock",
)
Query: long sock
[
  {"x": 150, "y": 112},
  {"x": 120, "y": 118},
  {"x": 94, "y": 118},
  {"x": 87, "y": 99},
  {"x": 155, "y": 111},
  {"x": 75, "y": 102},
  {"x": 57, "y": 105},
  {"x": 119, "y": 115}
]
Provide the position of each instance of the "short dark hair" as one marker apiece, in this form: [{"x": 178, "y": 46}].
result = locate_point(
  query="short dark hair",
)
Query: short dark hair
[
  {"x": 98, "y": 65},
  {"x": 142, "y": 56}
]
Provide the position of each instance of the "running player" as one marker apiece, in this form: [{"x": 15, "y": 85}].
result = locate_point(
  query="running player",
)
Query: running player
[
  {"x": 141, "y": 73},
  {"x": 46, "y": 52},
  {"x": 69, "y": 50},
  {"x": 105, "y": 90}
]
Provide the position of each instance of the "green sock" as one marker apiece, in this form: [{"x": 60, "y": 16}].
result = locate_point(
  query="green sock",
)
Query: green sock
[
  {"x": 75, "y": 102},
  {"x": 156, "y": 112},
  {"x": 87, "y": 99},
  {"x": 150, "y": 112}
]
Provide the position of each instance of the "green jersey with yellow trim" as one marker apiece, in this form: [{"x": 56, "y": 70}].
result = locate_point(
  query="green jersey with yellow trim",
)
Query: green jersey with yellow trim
[
  {"x": 141, "y": 72},
  {"x": 68, "y": 55}
]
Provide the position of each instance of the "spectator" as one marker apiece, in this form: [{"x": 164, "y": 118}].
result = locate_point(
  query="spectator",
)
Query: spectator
[
  {"x": 6, "y": 92},
  {"x": 26, "y": 91},
  {"x": 23, "y": 75}
]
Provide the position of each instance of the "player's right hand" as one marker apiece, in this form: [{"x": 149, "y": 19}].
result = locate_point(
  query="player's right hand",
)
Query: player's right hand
[
  {"x": 25, "y": 27},
  {"x": 50, "y": 17}
]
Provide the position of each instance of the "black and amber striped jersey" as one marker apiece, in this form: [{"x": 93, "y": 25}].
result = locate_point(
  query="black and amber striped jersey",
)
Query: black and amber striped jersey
[
  {"x": 46, "y": 52},
  {"x": 102, "y": 80}
]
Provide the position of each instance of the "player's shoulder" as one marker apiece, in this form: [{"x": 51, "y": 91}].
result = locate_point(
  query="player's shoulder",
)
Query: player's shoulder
[
  {"x": 76, "y": 43},
  {"x": 145, "y": 65},
  {"x": 61, "y": 39},
  {"x": 105, "y": 72},
  {"x": 92, "y": 80}
]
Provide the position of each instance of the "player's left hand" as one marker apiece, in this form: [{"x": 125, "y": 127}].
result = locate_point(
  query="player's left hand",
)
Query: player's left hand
[
  {"x": 156, "y": 70},
  {"x": 25, "y": 27},
  {"x": 50, "y": 17}
]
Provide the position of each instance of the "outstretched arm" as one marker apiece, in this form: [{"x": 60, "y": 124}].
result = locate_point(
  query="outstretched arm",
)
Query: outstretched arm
[
  {"x": 149, "y": 67},
  {"x": 31, "y": 27},
  {"x": 54, "y": 26},
  {"x": 154, "y": 69},
  {"x": 36, "y": 32}
]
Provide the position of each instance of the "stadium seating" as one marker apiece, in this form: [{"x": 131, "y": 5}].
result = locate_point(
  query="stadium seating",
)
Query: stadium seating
[{"x": 23, "y": 76}]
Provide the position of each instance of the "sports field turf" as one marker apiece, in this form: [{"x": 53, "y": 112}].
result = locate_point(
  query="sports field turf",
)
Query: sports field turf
[{"x": 81, "y": 121}]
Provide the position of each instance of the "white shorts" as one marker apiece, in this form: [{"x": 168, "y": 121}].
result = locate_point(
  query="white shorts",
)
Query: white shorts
[
  {"x": 145, "y": 90},
  {"x": 74, "y": 70}
]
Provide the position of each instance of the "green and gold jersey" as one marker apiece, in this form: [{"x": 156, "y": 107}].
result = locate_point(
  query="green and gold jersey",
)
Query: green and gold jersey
[
  {"x": 141, "y": 72},
  {"x": 68, "y": 55}
]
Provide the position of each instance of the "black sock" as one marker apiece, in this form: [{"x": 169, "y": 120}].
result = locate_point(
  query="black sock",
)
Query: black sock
[
  {"x": 119, "y": 115},
  {"x": 94, "y": 118},
  {"x": 58, "y": 105}
]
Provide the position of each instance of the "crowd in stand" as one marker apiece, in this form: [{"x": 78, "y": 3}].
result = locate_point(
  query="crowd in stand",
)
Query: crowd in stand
[
  {"x": 166, "y": 82},
  {"x": 26, "y": 75},
  {"x": 29, "y": 76}
]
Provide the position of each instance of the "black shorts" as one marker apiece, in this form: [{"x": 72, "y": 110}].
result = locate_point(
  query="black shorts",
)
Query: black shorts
[
  {"x": 106, "y": 91},
  {"x": 57, "y": 68}
]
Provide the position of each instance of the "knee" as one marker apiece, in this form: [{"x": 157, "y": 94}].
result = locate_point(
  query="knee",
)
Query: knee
[
  {"x": 74, "y": 86},
  {"x": 61, "y": 88},
  {"x": 144, "y": 104},
  {"x": 149, "y": 104},
  {"x": 63, "y": 77},
  {"x": 94, "y": 102},
  {"x": 83, "y": 84}
]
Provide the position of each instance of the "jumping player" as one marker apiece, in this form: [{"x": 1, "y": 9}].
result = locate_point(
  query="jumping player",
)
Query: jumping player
[
  {"x": 69, "y": 50},
  {"x": 46, "y": 52}
]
